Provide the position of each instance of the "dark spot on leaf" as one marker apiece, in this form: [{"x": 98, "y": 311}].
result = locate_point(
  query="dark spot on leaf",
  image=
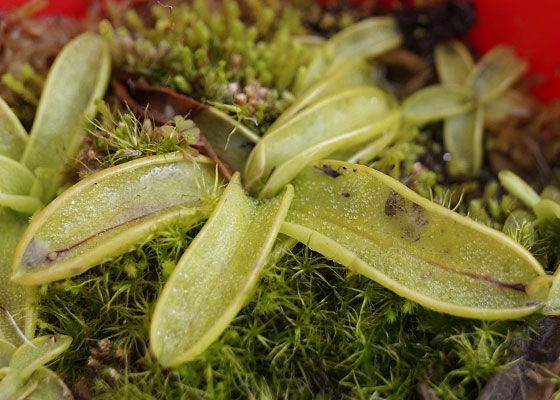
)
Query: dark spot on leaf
[
  {"x": 394, "y": 204},
  {"x": 329, "y": 171},
  {"x": 418, "y": 215},
  {"x": 345, "y": 194}
]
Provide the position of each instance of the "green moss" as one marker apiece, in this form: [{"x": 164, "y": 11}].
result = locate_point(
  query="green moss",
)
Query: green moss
[
  {"x": 116, "y": 137},
  {"x": 23, "y": 88},
  {"x": 311, "y": 329},
  {"x": 215, "y": 52}
]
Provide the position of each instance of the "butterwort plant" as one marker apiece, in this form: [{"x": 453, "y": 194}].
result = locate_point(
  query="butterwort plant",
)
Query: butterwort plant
[
  {"x": 31, "y": 171},
  {"x": 350, "y": 213}
]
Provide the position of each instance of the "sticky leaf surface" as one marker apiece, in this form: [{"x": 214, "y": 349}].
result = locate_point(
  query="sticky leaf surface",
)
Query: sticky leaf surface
[
  {"x": 345, "y": 112},
  {"x": 49, "y": 386},
  {"x": 214, "y": 277},
  {"x": 376, "y": 226},
  {"x": 453, "y": 62},
  {"x": 16, "y": 183},
  {"x": 14, "y": 298},
  {"x": 104, "y": 215},
  {"x": 498, "y": 69},
  {"x": 463, "y": 136},
  {"x": 6, "y": 351},
  {"x": 77, "y": 78},
  {"x": 231, "y": 141},
  {"x": 436, "y": 102},
  {"x": 347, "y": 76},
  {"x": 365, "y": 39},
  {"x": 30, "y": 356},
  {"x": 13, "y": 136}
]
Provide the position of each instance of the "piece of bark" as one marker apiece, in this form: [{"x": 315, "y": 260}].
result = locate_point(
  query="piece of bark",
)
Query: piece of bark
[{"x": 535, "y": 365}]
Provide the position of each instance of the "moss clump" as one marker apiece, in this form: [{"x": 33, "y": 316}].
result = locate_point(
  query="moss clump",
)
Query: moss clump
[
  {"x": 312, "y": 329},
  {"x": 216, "y": 52},
  {"x": 116, "y": 137}
]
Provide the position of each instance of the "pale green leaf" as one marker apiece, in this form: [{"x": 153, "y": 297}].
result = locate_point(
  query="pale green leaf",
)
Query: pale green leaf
[
  {"x": 347, "y": 76},
  {"x": 13, "y": 388},
  {"x": 496, "y": 71},
  {"x": 366, "y": 39},
  {"x": 30, "y": 356},
  {"x": 15, "y": 299},
  {"x": 49, "y": 386},
  {"x": 519, "y": 188},
  {"x": 231, "y": 140},
  {"x": 371, "y": 150},
  {"x": 6, "y": 351},
  {"x": 463, "y": 137},
  {"x": 13, "y": 136},
  {"x": 78, "y": 77},
  {"x": 107, "y": 213},
  {"x": 378, "y": 227},
  {"x": 434, "y": 103},
  {"x": 552, "y": 304},
  {"x": 215, "y": 276},
  {"x": 453, "y": 62},
  {"x": 26, "y": 360},
  {"x": 288, "y": 170},
  {"x": 551, "y": 193},
  {"x": 22, "y": 204},
  {"x": 14, "y": 177},
  {"x": 344, "y": 112},
  {"x": 507, "y": 105},
  {"x": 518, "y": 220},
  {"x": 16, "y": 183},
  {"x": 547, "y": 209}
]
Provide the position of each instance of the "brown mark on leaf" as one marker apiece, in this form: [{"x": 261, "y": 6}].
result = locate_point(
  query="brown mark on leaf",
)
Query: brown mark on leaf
[
  {"x": 418, "y": 216},
  {"x": 394, "y": 204},
  {"x": 345, "y": 194},
  {"x": 328, "y": 171}
]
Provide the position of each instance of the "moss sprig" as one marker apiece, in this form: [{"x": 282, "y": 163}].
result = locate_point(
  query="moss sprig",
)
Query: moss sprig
[{"x": 116, "y": 137}]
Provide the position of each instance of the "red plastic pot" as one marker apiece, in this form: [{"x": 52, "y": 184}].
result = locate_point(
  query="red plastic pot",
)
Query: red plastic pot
[
  {"x": 72, "y": 8},
  {"x": 532, "y": 27}
]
